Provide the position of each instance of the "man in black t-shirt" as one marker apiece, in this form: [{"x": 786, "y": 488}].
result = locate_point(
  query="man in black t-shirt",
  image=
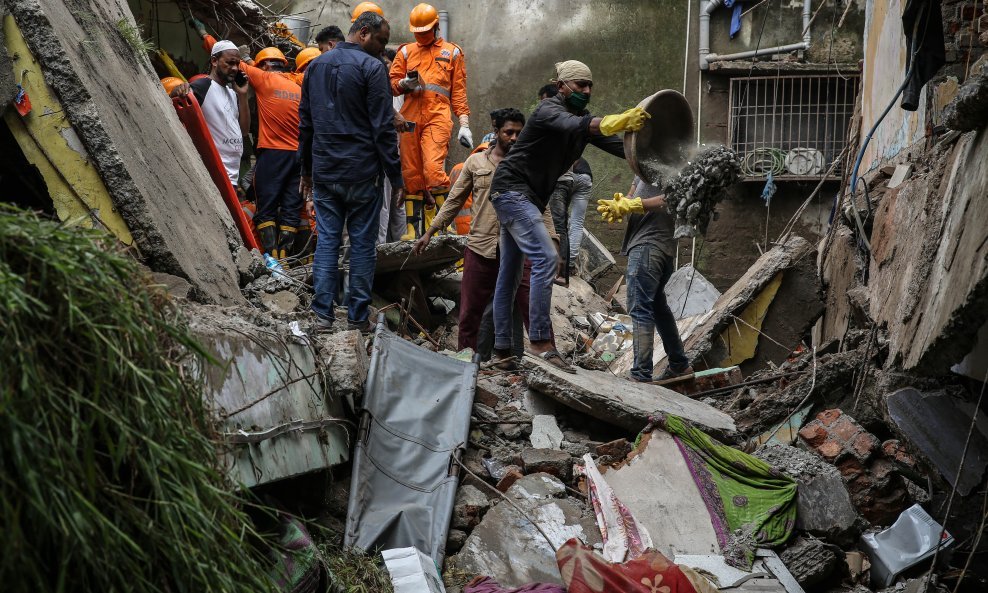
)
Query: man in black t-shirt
[{"x": 552, "y": 140}]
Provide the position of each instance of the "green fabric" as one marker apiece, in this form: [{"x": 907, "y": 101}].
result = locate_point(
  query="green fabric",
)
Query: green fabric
[{"x": 754, "y": 504}]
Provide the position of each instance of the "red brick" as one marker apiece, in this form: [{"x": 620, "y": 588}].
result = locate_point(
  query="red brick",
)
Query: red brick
[
  {"x": 865, "y": 444},
  {"x": 830, "y": 449},
  {"x": 894, "y": 449},
  {"x": 845, "y": 428},
  {"x": 509, "y": 479},
  {"x": 850, "y": 468},
  {"x": 616, "y": 449},
  {"x": 813, "y": 433},
  {"x": 827, "y": 417}
]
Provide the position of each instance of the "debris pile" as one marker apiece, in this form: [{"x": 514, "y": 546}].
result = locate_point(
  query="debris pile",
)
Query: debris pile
[{"x": 693, "y": 192}]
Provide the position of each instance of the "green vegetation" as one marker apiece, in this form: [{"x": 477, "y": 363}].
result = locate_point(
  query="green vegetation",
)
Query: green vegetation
[
  {"x": 132, "y": 35},
  {"x": 351, "y": 571},
  {"x": 108, "y": 477}
]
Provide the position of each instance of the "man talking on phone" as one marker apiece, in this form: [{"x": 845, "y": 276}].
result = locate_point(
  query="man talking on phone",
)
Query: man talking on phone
[{"x": 224, "y": 108}]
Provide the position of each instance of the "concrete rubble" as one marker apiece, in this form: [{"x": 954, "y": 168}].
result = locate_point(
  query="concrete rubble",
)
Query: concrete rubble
[
  {"x": 507, "y": 545},
  {"x": 824, "y": 507}
]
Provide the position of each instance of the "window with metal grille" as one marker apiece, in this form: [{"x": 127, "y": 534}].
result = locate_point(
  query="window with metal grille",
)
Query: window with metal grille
[{"x": 791, "y": 126}]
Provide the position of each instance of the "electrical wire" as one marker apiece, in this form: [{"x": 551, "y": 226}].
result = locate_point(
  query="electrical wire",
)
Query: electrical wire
[{"x": 864, "y": 145}]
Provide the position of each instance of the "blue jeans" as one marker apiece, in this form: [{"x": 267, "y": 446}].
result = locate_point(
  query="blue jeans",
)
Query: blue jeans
[
  {"x": 569, "y": 201},
  {"x": 358, "y": 205},
  {"x": 649, "y": 269},
  {"x": 523, "y": 233}
]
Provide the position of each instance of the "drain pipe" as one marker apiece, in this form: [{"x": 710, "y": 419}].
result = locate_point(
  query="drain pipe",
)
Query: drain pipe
[
  {"x": 706, "y": 7},
  {"x": 706, "y": 57},
  {"x": 444, "y": 24}
]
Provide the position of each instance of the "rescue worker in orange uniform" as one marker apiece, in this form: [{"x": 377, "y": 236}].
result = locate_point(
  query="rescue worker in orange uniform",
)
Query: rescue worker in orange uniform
[
  {"x": 432, "y": 75},
  {"x": 278, "y": 170},
  {"x": 301, "y": 61}
]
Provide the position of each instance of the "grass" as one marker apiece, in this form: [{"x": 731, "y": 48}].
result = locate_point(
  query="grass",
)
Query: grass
[
  {"x": 108, "y": 477},
  {"x": 351, "y": 571},
  {"x": 132, "y": 35}
]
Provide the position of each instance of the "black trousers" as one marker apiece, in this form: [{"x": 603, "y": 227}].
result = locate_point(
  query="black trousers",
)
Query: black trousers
[{"x": 276, "y": 178}]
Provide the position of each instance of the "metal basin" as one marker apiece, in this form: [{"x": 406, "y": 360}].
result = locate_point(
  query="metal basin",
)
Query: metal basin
[{"x": 663, "y": 143}]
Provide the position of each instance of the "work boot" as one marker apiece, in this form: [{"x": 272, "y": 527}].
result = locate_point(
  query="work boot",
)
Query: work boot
[
  {"x": 286, "y": 241},
  {"x": 267, "y": 232}
]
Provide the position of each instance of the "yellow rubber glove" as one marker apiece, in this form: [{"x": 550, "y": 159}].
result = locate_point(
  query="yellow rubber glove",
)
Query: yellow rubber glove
[
  {"x": 631, "y": 120},
  {"x": 615, "y": 210}
]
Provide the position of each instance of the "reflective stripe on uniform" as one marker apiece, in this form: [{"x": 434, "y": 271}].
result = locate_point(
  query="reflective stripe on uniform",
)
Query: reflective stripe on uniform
[
  {"x": 456, "y": 52},
  {"x": 439, "y": 90},
  {"x": 404, "y": 51}
]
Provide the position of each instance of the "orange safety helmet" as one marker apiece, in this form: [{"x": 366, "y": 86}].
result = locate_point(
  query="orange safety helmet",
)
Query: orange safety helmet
[
  {"x": 305, "y": 56},
  {"x": 170, "y": 82},
  {"x": 198, "y": 77},
  {"x": 270, "y": 53},
  {"x": 423, "y": 18},
  {"x": 365, "y": 7}
]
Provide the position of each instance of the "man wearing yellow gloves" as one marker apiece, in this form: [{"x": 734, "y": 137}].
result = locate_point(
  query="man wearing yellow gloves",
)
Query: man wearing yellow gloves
[
  {"x": 650, "y": 245},
  {"x": 554, "y": 138}
]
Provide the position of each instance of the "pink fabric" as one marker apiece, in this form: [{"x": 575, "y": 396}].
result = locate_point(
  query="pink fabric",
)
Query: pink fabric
[
  {"x": 489, "y": 585},
  {"x": 584, "y": 571}
]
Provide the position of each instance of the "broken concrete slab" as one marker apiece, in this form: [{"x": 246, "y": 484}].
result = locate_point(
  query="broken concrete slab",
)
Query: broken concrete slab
[
  {"x": 173, "y": 285},
  {"x": 276, "y": 417},
  {"x": 545, "y": 432},
  {"x": 823, "y": 505},
  {"x": 689, "y": 293},
  {"x": 969, "y": 109},
  {"x": 720, "y": 573},
  {"x": 937, "y": 424},
  {"x": 900, "y": 175},
  {"x": 155, "y": 178},
  {"x": 795, "y": 306},
  {"x": 677, "y": 520},
  {"x": 506, "y": 544},
  {"x": 441, "y": 251},
  {"x": 345, "y": 356},
  {"x": 620, "y": 402}
]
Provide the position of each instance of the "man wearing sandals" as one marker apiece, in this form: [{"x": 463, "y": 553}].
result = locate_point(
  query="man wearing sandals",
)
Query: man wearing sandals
[{"x": 552, "y": 140}]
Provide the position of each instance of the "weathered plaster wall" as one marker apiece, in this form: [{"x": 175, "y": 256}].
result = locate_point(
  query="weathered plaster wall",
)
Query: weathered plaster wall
[
  {"x": 929, "y": 268},
  {"x": 885, "y": 45},
  {"x": 128, "y": 126}
]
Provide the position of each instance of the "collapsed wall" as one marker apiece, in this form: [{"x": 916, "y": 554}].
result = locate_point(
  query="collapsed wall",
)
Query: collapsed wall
[{"x": 90, "y": 55}]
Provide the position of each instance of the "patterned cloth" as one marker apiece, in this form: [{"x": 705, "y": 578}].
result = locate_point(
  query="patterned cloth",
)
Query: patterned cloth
[
  {"x": 298, "y": 565},
  {"x": 624, "y": 538},
  {"x": 751, "y": 504},
  {"x": 584, "y": 571},
  {"x": 489, "y": 585}
]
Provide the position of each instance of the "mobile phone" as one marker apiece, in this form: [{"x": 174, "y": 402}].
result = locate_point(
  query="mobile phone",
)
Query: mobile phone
[
  {"x": 240, "y": 79},
  {"x": 413, "y": 74},
  {"x": 410, "y": 126}
]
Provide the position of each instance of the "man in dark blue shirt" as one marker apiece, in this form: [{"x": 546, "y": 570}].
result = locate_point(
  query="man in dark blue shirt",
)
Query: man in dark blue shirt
[{"x": 348, "y": 145}]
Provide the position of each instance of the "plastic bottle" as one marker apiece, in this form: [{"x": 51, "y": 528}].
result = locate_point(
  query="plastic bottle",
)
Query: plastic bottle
[{"x": 276, "y": 270}]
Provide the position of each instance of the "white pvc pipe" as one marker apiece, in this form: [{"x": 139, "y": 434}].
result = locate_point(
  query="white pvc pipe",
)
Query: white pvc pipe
[
  {"x": 708, "y": 6},
  {"x": 444, "y": 24},
  {"x": 756, "y": 52},
  {"x": 686, "y": 50}
]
